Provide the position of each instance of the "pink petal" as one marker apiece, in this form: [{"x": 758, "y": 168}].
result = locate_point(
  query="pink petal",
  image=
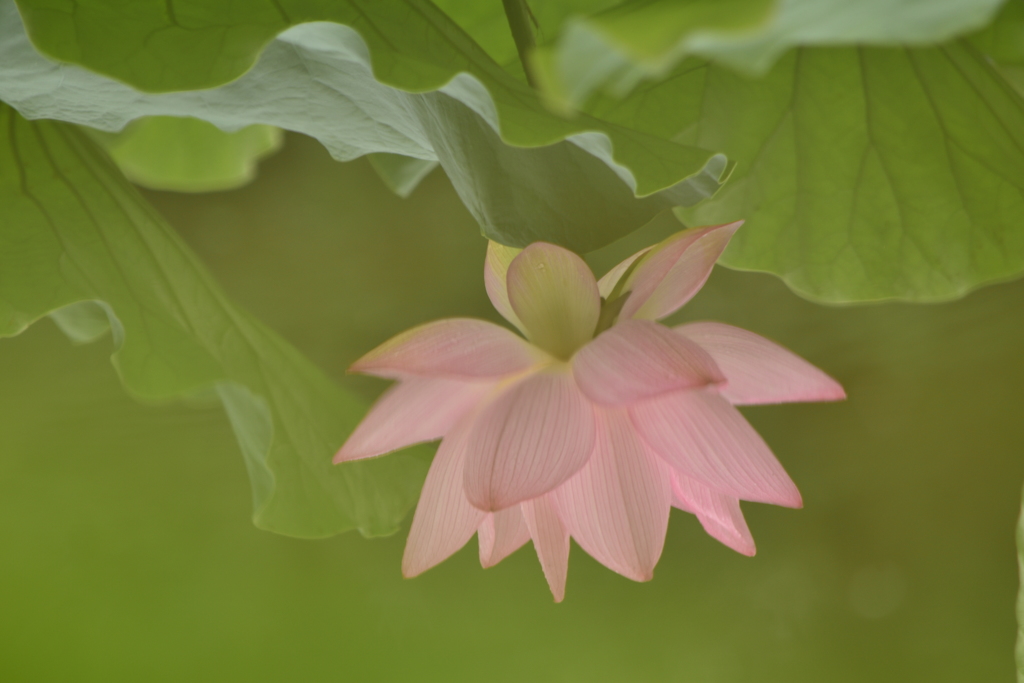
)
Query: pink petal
[
  {"x": 550, "y": 540},
  {"x": 444, "y": 519},
  {"x": 758, "y": 370},
  {"x": 501, "y": 534},
  {"x": 617, "y": 506},
  {"x": 495, "y": 275},
  {"x": 719, "y": 514},
  {"x": 457, "y": 348},
  {"x": 412, "y": 411},
  {"x": 639, "y": 359},
  {"x": 606, "y": 285},
  {"x": 555, "y": 296},
  {"x": 674, "y": 271},
  {"x": 528, "y": 441},
  {"x": 701, "y": 435}
]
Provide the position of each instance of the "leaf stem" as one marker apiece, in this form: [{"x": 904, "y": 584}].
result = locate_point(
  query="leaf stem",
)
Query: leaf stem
[{"x": 520, "y": 20}]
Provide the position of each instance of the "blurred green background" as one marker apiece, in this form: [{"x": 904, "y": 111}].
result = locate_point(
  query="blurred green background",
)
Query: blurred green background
[{"x": 128, "y": 554}]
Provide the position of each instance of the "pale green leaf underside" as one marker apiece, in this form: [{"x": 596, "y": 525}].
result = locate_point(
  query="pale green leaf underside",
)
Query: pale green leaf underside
[
  {"x": 580, "y": 183},
  {"x": 187, "y": 154},
  {"x": 74, "y": 231},
  {"x": 400, "y": 174},
  {"x": 863, "y": 174},
  {"x": 643, "y": 39}
]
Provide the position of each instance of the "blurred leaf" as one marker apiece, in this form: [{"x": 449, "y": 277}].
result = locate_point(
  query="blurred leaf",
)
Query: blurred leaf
[
  {"x": 488, "y": 25},
  {"x": 641, "y": 39},
  {"x": 74, "y": 231},
  {"x": 1003, "y": 42},
  {"x": 187, "y": 154},
  {"x": 615, "y": 50},
  {"x": 400, "y": 174},
  {"x": 581, "y": 192},
  {"x": 863, "y": 174},
  {"x": 83, "y": 322}
]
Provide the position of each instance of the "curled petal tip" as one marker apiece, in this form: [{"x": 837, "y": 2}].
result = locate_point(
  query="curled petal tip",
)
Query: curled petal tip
[{"x": 674, "y": 270}]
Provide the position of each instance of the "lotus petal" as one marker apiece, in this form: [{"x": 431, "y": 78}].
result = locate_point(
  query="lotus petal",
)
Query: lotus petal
[
  {"x": 456, "y": 348},
  {"x": 530, "y": 439},
  {"x": 410, "y": 412},
  {"x": 554, "y": 294},
  {"x": 444, "y": 519},
  {"x": 617, "y": 506},
  {"x": 719, "y": 514},
  {"x": 550, "y": 540},
  {"x": 495, "y": 280},
  {"x": 674, "y": 270},
  {"x": 758, "y": 370},
  {"x": 700, "y": 434},
  {"x": 639, "y": 359},
  {"x": 501, "y": 534}
]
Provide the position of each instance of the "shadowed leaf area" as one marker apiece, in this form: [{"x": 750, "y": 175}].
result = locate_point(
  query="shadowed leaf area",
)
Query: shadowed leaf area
[{"x": 76, "y": 234}]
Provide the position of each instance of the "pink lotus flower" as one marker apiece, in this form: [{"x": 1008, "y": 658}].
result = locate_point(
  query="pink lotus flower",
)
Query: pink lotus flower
[{"x": 597, "y": 425}]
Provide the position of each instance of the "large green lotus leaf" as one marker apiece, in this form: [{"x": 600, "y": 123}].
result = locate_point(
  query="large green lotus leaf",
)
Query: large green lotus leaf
[
  {"x": 78, "y": 241},
  {"x": 644, "y": 39},
  {"x": 863, "y": 174},
  {"x": 581, "y": 184},
  {"x": 188, "y": 155}
]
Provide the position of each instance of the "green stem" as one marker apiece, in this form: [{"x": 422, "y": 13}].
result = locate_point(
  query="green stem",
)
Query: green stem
[{"x": 520, "y": 20}]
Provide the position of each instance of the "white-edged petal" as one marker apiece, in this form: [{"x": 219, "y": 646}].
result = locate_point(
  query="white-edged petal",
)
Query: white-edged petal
[
  {"x": 528, "y": 440},
  {"x": 700, "y": 434},
  {"x": 456, "y": 348},
  {"x": 554, "y": 295},
  {"x": 758, "y": 370},
  {"x": 444, "y": 520},
  {"x": 550, "y": 540},
  {"x": 617, "y": 506},
  {"x": 639, "y": 359},
  {"x": 412, "y": 411}
]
